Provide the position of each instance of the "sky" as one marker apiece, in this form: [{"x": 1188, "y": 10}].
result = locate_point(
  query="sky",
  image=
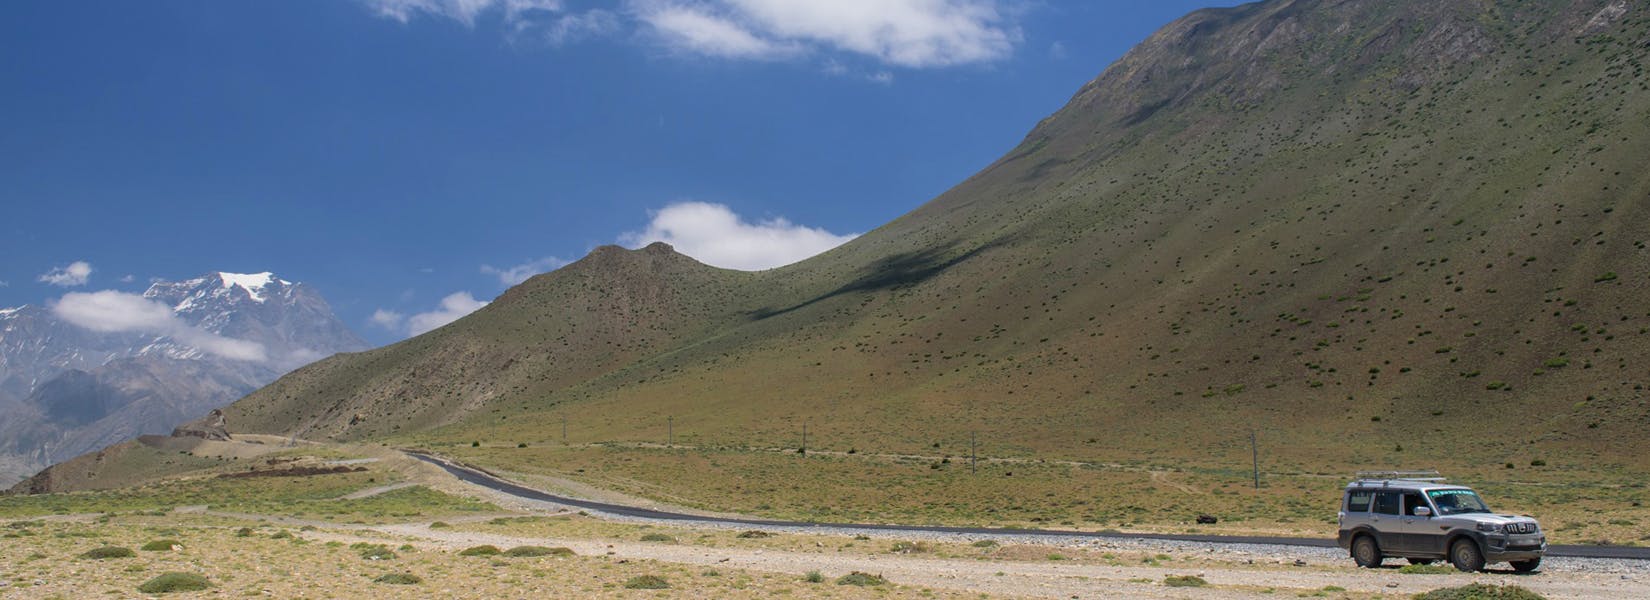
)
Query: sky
[{"x": 412, "y": 159}]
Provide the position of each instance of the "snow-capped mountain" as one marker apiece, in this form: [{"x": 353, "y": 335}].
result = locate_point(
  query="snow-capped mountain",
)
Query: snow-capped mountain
[{"x": 68, "y": 387}]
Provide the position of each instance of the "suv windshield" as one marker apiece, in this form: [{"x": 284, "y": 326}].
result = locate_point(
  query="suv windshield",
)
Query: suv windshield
[{"x": 1455, "y": 502}]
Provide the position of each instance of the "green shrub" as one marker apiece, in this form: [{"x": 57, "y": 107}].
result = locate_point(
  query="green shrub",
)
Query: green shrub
[
  {"x": 108, "y": 552},
  {"x": 754, "y": 535},
  {"x": 439, "y": 525},
  {"x": 1184, "y": 581},
  {"x": 1480, "y": 591},
  {"x": 243, "y": 532},
  {"x": 373, "y": 551},
  {"x": 647, "y": 582},
  {"x": 281, "y": 535},
  {"x": 985, "y": 544},
  {"x": 484, "y": 550},
  {"x": 399, "y": 579},
  {"x": 536, "y": 551},
  {"x": 657, "y": 537},
  {"x": 814, "y": 577},
  {"x": 861, "y": 579},
  {"x": 1426, "y": 570},
  {"x": 175, "y": 582},
  {"x": 160, "y": 546}
]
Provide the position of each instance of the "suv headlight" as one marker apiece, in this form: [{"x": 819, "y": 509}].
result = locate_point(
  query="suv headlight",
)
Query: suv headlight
[{"x": 1489, "y": 527}]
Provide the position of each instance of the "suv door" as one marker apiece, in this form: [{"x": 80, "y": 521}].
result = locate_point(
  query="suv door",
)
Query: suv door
[
  {"x": 1418, "y": 532},
  {"x": 1383, "y": 516}
]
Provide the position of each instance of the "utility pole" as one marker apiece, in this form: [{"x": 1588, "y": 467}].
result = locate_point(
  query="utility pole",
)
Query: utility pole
[{"x": 1254, "y": 450}]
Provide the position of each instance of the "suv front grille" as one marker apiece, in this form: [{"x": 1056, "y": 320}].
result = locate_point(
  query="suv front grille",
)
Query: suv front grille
[{"x": 1520, "y": 528}]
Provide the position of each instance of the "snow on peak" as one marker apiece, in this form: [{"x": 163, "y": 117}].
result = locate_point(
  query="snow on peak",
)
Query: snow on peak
[
  {"x": 6, "y": 312},
  {"x": 253, "y": 283}
]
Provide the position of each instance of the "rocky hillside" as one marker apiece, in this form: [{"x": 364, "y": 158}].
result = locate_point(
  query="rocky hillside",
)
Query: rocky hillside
[
  {"x": 1358, "y": 227},
  {"x": 72, "y": 389}
]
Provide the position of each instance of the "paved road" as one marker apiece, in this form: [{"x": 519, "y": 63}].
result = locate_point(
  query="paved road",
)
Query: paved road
[{"x": 493, "y": 482}]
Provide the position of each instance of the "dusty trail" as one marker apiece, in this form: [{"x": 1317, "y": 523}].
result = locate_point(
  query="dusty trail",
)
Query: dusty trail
[{"x": 1028, "y": 579}]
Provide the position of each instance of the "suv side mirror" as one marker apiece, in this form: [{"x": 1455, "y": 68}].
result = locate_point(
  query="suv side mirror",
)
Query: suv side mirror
[{"x": 1422, "y": 511}]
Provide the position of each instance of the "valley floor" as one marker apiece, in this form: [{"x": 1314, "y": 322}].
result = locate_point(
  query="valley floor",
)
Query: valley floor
[{"x": 322, "y": 551}]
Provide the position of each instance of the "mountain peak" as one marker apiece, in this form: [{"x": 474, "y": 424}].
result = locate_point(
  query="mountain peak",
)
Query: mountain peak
[{"x": 253, "y": 283}]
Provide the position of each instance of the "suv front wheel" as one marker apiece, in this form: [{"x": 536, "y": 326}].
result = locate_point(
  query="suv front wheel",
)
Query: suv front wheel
[
  {"x": 1366, "y": 553},
  {"x": 1464, "y": 554}
]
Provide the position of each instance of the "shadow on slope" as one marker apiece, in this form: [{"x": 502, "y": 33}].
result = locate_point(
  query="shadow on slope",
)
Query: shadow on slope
[{"x": 899, "y": 270}]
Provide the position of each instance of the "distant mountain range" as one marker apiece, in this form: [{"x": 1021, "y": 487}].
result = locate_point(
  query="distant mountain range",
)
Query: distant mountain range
[{"x": 67, "y": 388}]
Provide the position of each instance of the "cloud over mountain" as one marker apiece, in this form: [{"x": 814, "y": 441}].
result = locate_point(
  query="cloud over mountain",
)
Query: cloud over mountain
[
  {"x": 110, "y": 311},
  {"x": 715, "y": 235}
]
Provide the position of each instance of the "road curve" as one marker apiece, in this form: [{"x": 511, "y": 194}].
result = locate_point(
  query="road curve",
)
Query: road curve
[{"x": 493, "y": 482}]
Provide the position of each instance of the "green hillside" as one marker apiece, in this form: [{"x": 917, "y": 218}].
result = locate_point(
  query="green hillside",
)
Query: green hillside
[{"x": 1376, "y": 234}]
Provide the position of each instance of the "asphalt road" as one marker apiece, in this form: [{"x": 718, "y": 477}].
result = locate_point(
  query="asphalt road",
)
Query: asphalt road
[{"x": 493, "y": 482}]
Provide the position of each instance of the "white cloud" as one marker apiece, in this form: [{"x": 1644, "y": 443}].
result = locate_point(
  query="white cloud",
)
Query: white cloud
[
  {"x": 452, "y": 308},
  {"x": 463, "y": 11},
  {"x": 902, "y": 33},
  {"x": 1057, "y": 50},
  {"x": 694, "y": 30},
  {"x": 387, "y": 319},
  {"x": 715, "y": 235},
  {"x": 128, "y": 278},
  {"x": 905, "y": 33},
  {"x": 580, "y": 26},
  {"x": 76, "y": 274},
  {"x": 519, "y": 273},
  {"x": 116, "y": 312}
]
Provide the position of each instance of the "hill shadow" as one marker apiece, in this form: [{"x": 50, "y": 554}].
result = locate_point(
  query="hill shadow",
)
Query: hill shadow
[{"x": 899, "y": 270}]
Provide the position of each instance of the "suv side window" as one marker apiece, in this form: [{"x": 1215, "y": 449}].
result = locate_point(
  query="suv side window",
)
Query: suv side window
[
  {"x": 1357, "y": 501},
  {"x": 1412, "y": 501},
  {"x": 1386, "y": 503}
]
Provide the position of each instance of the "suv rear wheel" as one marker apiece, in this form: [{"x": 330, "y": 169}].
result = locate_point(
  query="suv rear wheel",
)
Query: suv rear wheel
[
  {"x": 1464, "y": 554},
  {"x": 1525, "y": 566},
  {"x": 1365, "y": 552}
]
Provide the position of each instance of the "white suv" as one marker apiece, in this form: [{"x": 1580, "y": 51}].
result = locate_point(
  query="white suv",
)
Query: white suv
[{"x": 1408, "y": 515}]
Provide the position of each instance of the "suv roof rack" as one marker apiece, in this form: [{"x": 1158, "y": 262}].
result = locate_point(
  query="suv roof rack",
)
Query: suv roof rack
[{"x": 1429, "y": 475}]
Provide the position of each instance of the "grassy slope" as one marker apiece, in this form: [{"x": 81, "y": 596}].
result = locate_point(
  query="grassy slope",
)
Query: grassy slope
[{"x": 1376, "y": 234}]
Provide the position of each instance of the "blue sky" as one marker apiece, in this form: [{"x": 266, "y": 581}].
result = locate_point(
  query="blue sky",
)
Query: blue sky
[{"x": 411, "y": 158}]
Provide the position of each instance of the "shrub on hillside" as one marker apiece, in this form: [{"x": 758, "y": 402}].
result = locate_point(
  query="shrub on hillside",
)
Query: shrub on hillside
[
  {"x": 175, "y": 582},
  {"x": 108, "y": 552},
  {"x": 861, "y": 579},
  {"x": 399, "y": 579},
  {"x": 657, "y": 537},
  {"x": 1480, "y": 591},
  {"x": 754, "y": 535},
  {"x": 161, "y": 546},
  {"x": 536, "y": 551},
  {"x": 483, "y": 550},
  {"x": 1184, "y": 581},
  {"x": 373, "y": 551}
]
